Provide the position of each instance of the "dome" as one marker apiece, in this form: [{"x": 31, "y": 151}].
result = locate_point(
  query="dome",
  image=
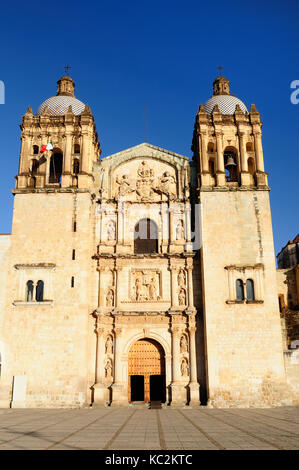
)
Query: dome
[
  {"x": 226, "y": 104},
  {"x": 58, "y": 105}
]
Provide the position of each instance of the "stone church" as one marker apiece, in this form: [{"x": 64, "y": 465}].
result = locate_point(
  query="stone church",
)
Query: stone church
[{"x": 142, "y": 276}]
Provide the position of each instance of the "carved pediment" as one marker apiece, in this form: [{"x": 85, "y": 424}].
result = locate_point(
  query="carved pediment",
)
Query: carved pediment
[{"x": 144, "y": 173}]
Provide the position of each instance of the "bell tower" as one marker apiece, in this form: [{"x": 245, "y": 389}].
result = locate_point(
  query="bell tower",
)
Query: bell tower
[
  {"x": 242, "y": 325},
  {"x": 227, "y": 141},
  {"x": 59, "y": 145}
]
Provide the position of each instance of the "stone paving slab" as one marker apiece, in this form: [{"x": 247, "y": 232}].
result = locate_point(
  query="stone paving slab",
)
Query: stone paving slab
[{"x": 134, "y": 428}]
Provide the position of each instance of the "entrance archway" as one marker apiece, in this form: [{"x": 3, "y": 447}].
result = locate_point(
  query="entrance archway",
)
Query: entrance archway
[{"x": 146, "y": 381}]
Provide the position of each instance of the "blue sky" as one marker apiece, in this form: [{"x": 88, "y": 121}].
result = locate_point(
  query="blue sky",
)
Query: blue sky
[{"x": 163, "y": 55}]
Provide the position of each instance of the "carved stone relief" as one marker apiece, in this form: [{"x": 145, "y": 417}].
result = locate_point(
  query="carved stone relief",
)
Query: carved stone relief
[
  {"x": 108, "y": 368},
  {"x": 145, "y": 286},
  {"x": 184, "y": 367},
  {"x": 109, "y": 345},
  {"x": 111, "y": 230},
  {"x": 184, "y": 344}
]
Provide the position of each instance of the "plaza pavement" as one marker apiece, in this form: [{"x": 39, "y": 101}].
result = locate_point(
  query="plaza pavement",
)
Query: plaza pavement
[{"x": 137, "y": 428}]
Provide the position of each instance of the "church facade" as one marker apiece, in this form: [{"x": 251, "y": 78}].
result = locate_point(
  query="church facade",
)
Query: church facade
[{"x": 142, "y": 276}]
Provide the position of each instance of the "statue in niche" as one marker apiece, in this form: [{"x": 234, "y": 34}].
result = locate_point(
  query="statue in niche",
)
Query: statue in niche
[
  {"x": 184, "y": 344},
  {"x": 110, "y": 298},
  {"x": 124, "y": 185},
  {"x": 152, "y": 289},
  {"x": 184, "y": 367},
  {"x": 182, "y": 297},
  {"x": 182, "y": 278},
  {"x": 109, "y": 345},
  {"x": 167, "y": 185},
  {"x": 108, "y": 368},
  {"x": 179, "y": 231},
  {"x": 111, "y": 230}
]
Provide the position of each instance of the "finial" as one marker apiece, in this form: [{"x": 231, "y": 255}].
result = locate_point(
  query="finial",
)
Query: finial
[{"x": 219, "y": 69}]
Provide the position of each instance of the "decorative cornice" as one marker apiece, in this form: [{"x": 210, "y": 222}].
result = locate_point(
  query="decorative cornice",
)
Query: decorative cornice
[{"x": 35, "y": 266}]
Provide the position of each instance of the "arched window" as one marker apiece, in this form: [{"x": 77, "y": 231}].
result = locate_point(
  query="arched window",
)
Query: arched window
[
  {"x": 76, "y": 148},
  {"x": 29, "y": 291},
  {"x": 249, "y": 147},
  {"x": 76, "y": 166},
  {"x": 35, "y": 149},
  {"x": 251, "y": 166},
  {"x": 249, "y": 289},
  {"x": 39, "y": 295},
  {"x": 34, "y": 166},
  {"x": 56, "y": 166},
  {"x": 145, "y": 237},
  {"x": 212, "y": 166},
  {"x": 239, "y": 289},
  {"x": 211, "y": 147},
  {"x": 230, "y": 164}
]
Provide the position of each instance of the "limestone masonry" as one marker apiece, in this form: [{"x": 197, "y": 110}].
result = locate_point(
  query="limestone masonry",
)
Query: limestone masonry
[{"x": 142, "y": 276}]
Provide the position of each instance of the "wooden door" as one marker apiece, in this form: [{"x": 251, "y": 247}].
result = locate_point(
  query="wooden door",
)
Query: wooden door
[{"x": 146, "y": 357}]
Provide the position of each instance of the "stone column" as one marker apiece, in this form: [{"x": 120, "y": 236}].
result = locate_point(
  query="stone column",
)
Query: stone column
[
  {"x": 101, "y": 390},
  {"x": 171, "y": 235},
  {"x": 67, "y": 160},
  {"x": 244, "y": 163},
  {"x": 188, "y": 245},
  {"x": 174, "y": 287},
  {"x": 85, "y": 153},
  {"x": 220, "y": 173},
  {"x": 176, "y": 335},
  {"x": 178, "y": 390},
  {"x": 204, "y": 155},
  {"x": 190, "y": 284},
  {"x": 259, "y": 151},
  {"x": 193, "y": 385},
  {"x": 117, "y": 287},
  {"x": 119, "y": 394}
]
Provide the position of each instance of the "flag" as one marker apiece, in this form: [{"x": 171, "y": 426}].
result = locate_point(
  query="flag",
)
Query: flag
[{"x": 45, "y": 148}]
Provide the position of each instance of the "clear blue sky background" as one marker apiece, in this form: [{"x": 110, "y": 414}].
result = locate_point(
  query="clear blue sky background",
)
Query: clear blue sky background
[{"x": 163, "y": 54}]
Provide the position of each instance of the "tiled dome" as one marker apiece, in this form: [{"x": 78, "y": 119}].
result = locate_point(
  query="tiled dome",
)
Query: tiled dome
[
  {"x": 58, "y": 105},
  {"x": 226, "y": 104}
]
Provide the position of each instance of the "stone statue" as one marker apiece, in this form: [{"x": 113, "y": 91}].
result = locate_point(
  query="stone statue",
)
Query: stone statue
[
  {"x": 108, "y": 368},
  {"x": 124, "y": 185},
  {"x": 110, "y": 298},
  {"x": 109, "y": 345},
  {"x": 167, "y": 185},
  {"x": 184, "y": 344},
  {"x": 184, "y": 367},
  {"x": 181, "y": 278},
  {"x": 179, "y": 232},
  {"x": 152, "y": 289},
  {"x": 140, "y": 290},
  {"x": 182, "y": 297},
  {"x": 111, "y": 230}
]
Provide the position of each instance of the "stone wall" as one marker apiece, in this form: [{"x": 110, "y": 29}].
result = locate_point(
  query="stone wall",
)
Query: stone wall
[
  {"x": 244, "y": 341},
  {"x": 50, "y": 342}
]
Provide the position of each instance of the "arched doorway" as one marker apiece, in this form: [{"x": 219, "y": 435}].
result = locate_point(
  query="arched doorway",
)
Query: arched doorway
[{"x": 146, "y": 381}]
